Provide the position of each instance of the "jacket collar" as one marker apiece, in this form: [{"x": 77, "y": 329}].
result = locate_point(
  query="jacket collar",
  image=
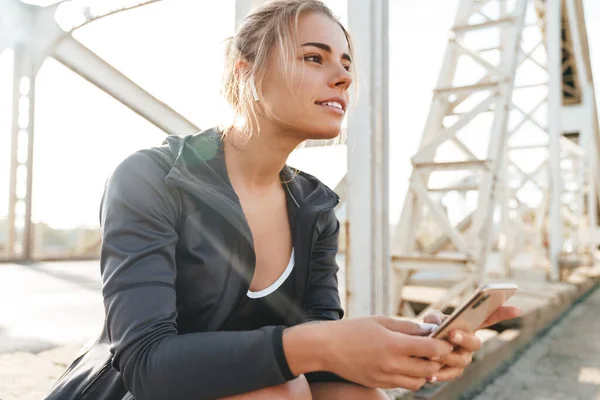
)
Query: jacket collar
[
  {"x": 202, "y": 156},
  {"x": 199, "y": 167}
]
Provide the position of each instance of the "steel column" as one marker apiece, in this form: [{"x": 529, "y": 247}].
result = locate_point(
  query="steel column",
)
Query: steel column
[
  {"x": 367, "y": 191},
  {"x": 21, "y": 168},
  {"x": 588, "y": 135},
  {"x": 553, "y": 38},
  {"x": 591, "y": 143},
  {"x": 101, "y": 74}
]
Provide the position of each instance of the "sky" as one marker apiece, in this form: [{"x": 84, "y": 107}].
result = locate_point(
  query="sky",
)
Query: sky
[{"x": 174, "y": 50}]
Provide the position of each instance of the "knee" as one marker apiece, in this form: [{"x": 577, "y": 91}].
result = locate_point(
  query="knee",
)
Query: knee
[
  {"x": 296, "y": 389},
  {"x": 370, "y": 394},
  {"x": 340, "y": 390},
  {"x": 379, "y": 394}
]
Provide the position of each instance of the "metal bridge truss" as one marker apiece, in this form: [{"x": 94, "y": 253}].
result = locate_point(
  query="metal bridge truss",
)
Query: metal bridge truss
[{"x": 506, "y": 174}]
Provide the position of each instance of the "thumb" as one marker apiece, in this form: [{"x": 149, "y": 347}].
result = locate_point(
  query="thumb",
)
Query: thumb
[
  {"x": 434, "y": 317},
  {"x": 408, "y": 327}
]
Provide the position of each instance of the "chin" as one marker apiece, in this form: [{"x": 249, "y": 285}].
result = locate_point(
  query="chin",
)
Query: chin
[{"x": 324, "y": 133}]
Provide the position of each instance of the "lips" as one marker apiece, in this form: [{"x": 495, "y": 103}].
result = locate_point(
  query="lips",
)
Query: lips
[{"x": 335, "y": 102}]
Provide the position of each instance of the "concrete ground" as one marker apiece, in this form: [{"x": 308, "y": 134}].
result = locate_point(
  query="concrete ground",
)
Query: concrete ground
[
  {"x": 49, "y": 311},
  {"x": 45, "y": 305},
  {"x": 564, "y": 364}
]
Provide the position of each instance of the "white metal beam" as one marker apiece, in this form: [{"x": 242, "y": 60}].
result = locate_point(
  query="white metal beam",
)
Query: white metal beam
[
  {"x": 553, "y": 37},
  {"x": 447, "y": 133},
  {"x": 410, "y": 216},
  {"x": 490, "y": 187},
  {"x": 30, "y": 32},
  {"x": 368, "y": 264},
  {"x": 416, "y": 183},
  {"x": 588, "y": 135},
  {"x": 571, "y": 117},
  {"x": 21, "y": 164},
  {"x": 483, "y": 25},
  {"x": 87, "y": 64},
  {"x": 36, "y": 28}
]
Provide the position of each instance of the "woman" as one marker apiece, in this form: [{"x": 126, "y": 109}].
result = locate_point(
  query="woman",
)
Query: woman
[{"x": 216, "y": 255}]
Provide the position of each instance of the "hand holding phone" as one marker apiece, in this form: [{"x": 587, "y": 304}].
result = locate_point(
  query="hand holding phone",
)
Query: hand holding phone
[
  {"x": 468, "y": 318},
  {"x": 476, "y": 310}
]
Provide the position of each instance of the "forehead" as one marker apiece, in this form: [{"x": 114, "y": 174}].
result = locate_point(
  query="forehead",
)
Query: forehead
[{"x": 315, "y": 27}]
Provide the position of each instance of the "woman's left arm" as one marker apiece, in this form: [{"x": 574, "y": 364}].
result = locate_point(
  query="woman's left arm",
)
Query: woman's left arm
[{"x": 322, "y": 302}]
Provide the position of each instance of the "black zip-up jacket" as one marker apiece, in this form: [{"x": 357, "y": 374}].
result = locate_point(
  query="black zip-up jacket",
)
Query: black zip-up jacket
[{"x": 177, "y": 258}]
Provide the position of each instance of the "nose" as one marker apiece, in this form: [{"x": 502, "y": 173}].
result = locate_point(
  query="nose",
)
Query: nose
[{"x": 342, "y": 79}]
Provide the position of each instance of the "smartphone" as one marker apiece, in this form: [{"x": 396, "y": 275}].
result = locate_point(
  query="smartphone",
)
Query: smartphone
[{"x": 476, "y": 310}]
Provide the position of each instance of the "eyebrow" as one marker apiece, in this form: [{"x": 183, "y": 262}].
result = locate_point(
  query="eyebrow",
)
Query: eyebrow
[{"x": 327, "y": 48}]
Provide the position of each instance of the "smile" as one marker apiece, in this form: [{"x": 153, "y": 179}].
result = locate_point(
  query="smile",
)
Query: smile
[{"x": 334, "y": 106}]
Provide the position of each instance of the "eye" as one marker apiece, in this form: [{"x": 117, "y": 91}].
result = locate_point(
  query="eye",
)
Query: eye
[
  {"x": 314, "y": 57},
  {"x": 347, "y": 67}
]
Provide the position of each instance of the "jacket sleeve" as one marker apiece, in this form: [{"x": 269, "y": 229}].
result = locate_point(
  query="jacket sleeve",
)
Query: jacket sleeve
[
  {"x": 139, "y": 215},
  {"x": 323, "y": 299}
]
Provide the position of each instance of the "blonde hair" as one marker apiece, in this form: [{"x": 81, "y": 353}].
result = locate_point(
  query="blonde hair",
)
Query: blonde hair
[{"x": 273, "y": 23}]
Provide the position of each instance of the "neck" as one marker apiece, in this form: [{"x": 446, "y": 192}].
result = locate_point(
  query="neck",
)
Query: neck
[{"x": 256, "y": 162}]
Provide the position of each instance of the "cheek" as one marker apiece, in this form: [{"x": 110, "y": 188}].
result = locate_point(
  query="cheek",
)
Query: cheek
[{"x": 291, "y": 96}]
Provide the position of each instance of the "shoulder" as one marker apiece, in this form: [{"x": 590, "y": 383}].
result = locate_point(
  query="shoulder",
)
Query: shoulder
[
  {"x": 139, "y": 182},
  {"x": 152, "y": 163}
]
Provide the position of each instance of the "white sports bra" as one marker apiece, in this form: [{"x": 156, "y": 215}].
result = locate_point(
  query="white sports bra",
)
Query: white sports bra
[{"x": 275, "y": 285}]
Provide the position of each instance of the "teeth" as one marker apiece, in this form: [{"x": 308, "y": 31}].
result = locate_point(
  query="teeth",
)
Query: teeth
[{"x": 333, "y": 104}]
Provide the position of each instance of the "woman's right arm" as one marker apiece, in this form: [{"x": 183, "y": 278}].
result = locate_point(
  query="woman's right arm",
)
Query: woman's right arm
[
  {"x": 139, "y": 214},
  {"x": 376, "y": 351}
]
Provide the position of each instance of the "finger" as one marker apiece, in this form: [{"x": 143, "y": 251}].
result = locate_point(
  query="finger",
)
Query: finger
[
  {"x": 413, "y": 367},
  {"x": 407, "y": 327},
  {"x": 460, "y": 358},
  {"x": 446, "y": 374},
  {"x": 466, "y": 340},
  {"x": 424, "y": 347},
  {"x": 501, "y": 314},
  {"x": 434, "y": 317}
]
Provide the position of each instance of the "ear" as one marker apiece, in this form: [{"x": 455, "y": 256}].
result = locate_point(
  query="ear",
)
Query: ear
[{"x": 241, "y": 67}]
